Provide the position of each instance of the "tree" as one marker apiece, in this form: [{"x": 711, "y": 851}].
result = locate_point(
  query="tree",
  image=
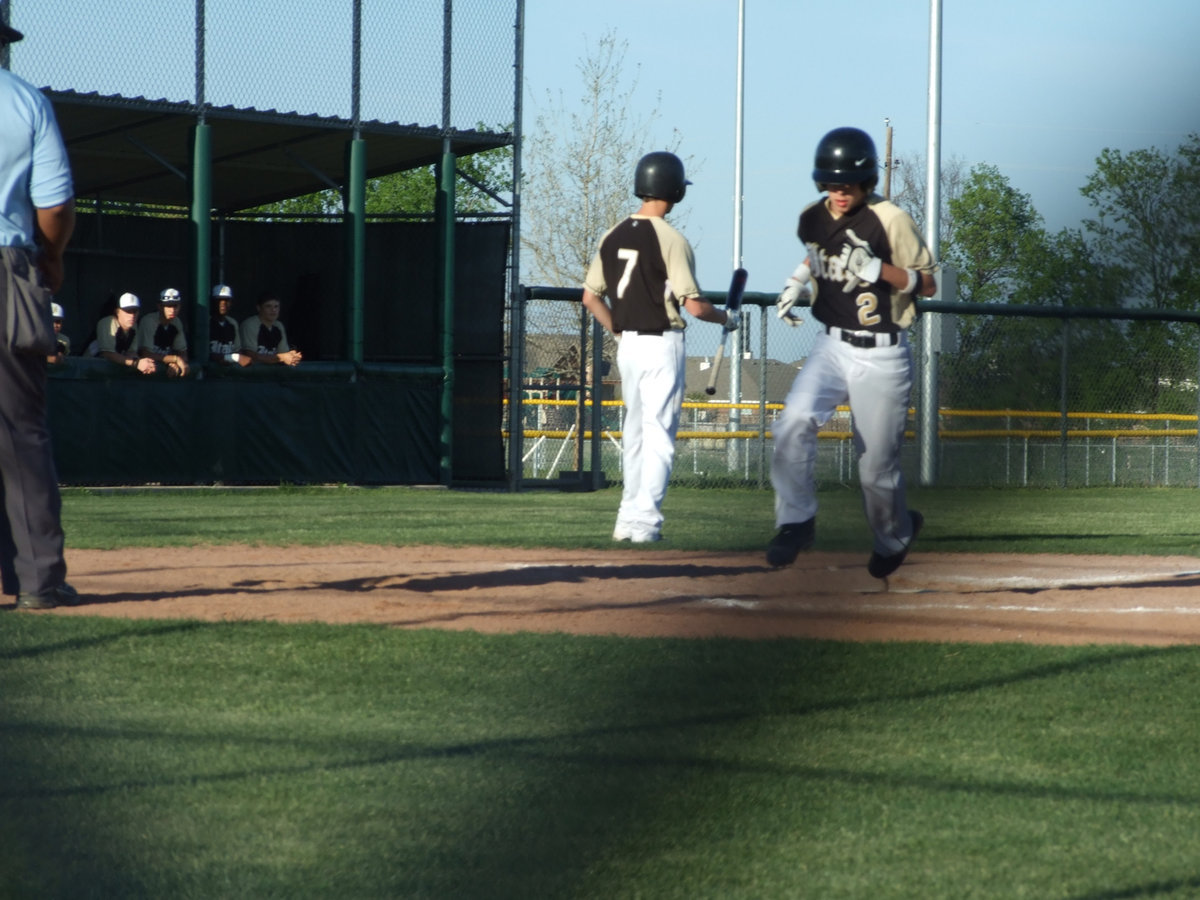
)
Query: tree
[
  {"x": 415, "y": 190},
  {"x": 911, "y": 189},
  {"x": 994, "y": 225},
  {"x": 579, "y": 163},
  {"x": 1148, "y": 228},
  {"x": 1148, "y": 219},
  {"x": 1003, "y": 254}
]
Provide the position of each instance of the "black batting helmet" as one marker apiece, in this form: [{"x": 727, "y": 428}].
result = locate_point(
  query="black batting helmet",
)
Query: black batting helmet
[
  {"x": 846, "y": 156},
  {"x": 660, "y": 175}
]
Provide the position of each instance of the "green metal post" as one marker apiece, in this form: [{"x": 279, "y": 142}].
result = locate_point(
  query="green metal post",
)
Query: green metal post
[
  {"x": 445, "y": 218},
  {"x": 201, "y": 224},
  {"x": 356, "y": 246}
]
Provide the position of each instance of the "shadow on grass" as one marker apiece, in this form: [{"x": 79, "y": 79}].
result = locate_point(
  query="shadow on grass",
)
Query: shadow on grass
[
  {"x": 77, "y": 644},
  {"x": 1150, "y": 889},
  {"x": 624, "y": 774},
  {"x": 540, "y": 747}
]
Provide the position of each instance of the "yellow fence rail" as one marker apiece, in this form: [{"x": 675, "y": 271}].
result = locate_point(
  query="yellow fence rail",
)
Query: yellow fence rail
[{"x": 944, "y": 431}]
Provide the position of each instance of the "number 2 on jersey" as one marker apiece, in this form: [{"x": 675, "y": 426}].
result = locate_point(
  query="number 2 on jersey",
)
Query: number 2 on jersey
[{"x": 867, "y": 306}]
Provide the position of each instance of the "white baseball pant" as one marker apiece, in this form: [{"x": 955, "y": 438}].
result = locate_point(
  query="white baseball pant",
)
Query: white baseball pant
[
  {"x": 876, "y": 382},
  {"x": 652, "y": 385}
]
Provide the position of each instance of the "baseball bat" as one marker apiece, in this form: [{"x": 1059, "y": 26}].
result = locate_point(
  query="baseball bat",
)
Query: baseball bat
[{"x": 733, "y": 301}]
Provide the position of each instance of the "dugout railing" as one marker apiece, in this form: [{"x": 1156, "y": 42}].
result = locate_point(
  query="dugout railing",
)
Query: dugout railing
[{"x": 1146, "y": 432}]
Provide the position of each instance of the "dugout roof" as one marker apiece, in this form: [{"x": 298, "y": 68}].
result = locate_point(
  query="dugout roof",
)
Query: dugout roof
[{"x": 138, "y": 150}]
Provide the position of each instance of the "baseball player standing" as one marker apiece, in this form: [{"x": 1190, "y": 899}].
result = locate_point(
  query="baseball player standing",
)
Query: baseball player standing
[
  {"x": 647, "y": 271},
  {"x": 866, "y": 265}
]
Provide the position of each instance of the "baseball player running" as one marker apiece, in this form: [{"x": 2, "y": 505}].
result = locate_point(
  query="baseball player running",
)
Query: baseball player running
[
  {"x": 866, "y": 264},
  {"x": 647, "y": 270}
]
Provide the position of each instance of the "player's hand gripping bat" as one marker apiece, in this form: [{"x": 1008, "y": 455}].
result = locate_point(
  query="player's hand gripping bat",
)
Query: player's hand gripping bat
[{"x": 733, "y": 303}]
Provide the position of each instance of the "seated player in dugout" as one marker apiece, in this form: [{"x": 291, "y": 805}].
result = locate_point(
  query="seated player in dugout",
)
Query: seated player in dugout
[
  {"x": 62, "y": 342},
  {"x": 264, "y": 338},
  {"x": 116, "y": 337},
  {"x": 223, "y": 343},
  {"x": 161, "y": 337}
]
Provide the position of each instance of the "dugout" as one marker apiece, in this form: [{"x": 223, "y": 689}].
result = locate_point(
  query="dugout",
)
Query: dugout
[{"x": 401, "y": 322}]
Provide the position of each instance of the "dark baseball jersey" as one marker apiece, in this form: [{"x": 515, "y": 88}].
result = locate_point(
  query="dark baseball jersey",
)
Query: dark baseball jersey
[
  {"x": 161, "y": 336},
  {"x": 111, "y": 338},
  {"x": 260, "y": 338},
  {"x": 892, "y": 236},
  {"x": 222, "y": 335},
  {"x": 646, "y": 269}
]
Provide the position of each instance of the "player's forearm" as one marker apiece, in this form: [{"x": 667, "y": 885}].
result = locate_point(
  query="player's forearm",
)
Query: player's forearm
[
  {"x": 704, "y": 311},
  {"x": 598, "y": 308},
  {"x": 899, "y": 278}
]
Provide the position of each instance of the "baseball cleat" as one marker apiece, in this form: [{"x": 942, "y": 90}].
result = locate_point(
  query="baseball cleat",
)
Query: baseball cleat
[
  {"x": 646, "y": 537},
  {"x": 882, "y": 566},
  {"x": 790, "y": 540}
]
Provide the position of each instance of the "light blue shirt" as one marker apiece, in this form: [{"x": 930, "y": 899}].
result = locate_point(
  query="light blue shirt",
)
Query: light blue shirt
[{"x": 34, "y": 169}]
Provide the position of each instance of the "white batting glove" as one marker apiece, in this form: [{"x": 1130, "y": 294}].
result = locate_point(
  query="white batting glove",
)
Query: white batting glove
[
  {"x": 733, "y": 318},
  {"x": 796, "y": 288},
  {"x": 860, "y": 264}
]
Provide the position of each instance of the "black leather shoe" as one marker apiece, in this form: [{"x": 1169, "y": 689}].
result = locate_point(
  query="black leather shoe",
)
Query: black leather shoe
[
  {"x": 883, "y": 566},
  {"x": 63, "y": 595},
  {"x": 790, "y": 540}
]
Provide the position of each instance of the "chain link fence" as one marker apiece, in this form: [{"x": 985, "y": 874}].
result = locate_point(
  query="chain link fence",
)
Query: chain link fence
[
  {"x": 281, "y": 55},
  {"x": 1026, "y": 397}
]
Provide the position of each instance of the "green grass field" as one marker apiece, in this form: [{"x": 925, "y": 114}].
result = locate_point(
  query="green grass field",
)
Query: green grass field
[{"x": 180, "y": 759}]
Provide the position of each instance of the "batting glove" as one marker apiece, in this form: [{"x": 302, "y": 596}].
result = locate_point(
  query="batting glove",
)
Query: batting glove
[
  {"x": 796, "y": 288},
  {"x": 733, "y": 318},
  {"x": 861, "y": 265}
]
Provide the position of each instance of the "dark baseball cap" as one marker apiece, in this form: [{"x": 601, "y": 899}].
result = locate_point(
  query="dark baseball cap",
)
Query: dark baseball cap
[{"x": 9, "y": 35}]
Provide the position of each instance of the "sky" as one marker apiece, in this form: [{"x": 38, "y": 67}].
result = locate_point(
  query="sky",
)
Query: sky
[{"x": 1037, "y": 88}]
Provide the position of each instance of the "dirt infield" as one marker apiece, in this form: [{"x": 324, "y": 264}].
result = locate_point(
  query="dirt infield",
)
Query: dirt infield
[{"x": 938, "y": 597}]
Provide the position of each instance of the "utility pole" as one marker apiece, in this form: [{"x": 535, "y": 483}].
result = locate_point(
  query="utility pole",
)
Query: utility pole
[{"x": 887, "y": 164}]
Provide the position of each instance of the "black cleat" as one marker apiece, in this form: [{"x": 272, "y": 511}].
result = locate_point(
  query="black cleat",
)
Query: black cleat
[
  {"x": 883, "y": 566},
  {"x": 790, "y": 540}
]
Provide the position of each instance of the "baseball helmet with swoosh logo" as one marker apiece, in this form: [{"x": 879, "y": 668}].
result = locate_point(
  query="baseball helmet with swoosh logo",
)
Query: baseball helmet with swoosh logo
[{"x": 846, "y": 156}]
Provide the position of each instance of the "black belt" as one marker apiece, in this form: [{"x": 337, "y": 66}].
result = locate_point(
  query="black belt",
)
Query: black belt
[
  {"x": 864, "y": 339},
  {"x": 657, "y": 332}
]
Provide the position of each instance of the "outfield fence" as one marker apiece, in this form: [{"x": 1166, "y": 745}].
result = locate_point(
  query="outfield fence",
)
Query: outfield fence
[{"x": 1026, "y": 397}]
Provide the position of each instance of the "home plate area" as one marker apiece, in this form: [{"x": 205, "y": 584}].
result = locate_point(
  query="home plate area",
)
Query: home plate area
[{"x": 656, "y": 592}]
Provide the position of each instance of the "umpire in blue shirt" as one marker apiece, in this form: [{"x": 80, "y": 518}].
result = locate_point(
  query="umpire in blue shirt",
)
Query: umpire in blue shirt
[{"x": 37, "y": 217}]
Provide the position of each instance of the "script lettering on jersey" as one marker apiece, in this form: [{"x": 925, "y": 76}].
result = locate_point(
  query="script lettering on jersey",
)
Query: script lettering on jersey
[{"x": 831, "y": 268}]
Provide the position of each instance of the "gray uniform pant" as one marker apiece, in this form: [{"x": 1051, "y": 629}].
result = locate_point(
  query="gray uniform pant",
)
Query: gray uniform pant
[
  {"x": 31, "y": 536},
  {"x": 876, "y": 382}
]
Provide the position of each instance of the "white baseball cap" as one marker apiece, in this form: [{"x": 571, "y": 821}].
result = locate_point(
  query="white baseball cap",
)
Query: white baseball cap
[
  {"x": 129, "y": 301},
  {"x": 169, "y": 295},
  {"x": 222, "y": 290},
  {"x": 56, "y": 311}
]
